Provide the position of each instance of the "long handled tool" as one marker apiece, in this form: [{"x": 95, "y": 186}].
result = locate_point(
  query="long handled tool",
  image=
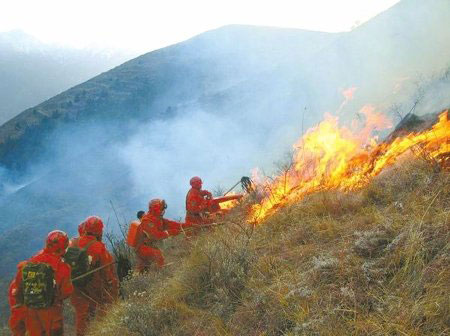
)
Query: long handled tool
[
  {"x": 246, "y": 184},
  {"x": 93, "y": 271}
]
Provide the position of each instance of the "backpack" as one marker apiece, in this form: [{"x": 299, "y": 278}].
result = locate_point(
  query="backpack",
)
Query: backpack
[
  {"x": 78, "y": 259},
  {"x": 132, "y": 233},
  {"x": 38, "y": 285}
]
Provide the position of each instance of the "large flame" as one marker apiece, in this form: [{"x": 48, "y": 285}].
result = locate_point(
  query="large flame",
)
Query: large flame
[{"x": 331, "y": 157}]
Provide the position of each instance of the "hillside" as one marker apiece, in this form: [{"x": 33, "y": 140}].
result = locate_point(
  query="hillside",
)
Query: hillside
[
  {"x": 32, "y": 71},
  {"x": 317, "y": 251},
  {"x": 217, "y": 106},
  {"x": 374, "y": 262}
]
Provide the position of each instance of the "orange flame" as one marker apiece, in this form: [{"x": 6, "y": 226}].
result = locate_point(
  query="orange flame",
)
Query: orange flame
[
  {"x": 374, "y": 121},
  {"x": 228, "y": 204},
  {"x": 329, "y": 157}
]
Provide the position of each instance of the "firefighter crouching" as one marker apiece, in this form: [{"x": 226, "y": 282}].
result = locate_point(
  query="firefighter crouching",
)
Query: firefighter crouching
[
  {"x": 152, "y": 228},
  {"x": 197, "y": 203},
  {"x": 94, "y": 291},
  {"x": 201, "y": 207},
  {"x": 41, "y": 284}
]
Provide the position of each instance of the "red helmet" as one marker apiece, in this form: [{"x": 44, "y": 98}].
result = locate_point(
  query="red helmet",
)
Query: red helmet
[
  {"x": 157, "y": 206},
  {"x": 196, "y": 182},
  {"x": 81, "y": 229},
  {"x": 93, "y": 225},
  {"x": 57, "y": 242}
]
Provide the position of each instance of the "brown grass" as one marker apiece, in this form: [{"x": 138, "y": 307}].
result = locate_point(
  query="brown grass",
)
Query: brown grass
[{"x": 374, "y": 262}]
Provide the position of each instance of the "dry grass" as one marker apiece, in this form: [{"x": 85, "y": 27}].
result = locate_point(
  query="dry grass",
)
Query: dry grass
[{"x": 369, "y": 263}]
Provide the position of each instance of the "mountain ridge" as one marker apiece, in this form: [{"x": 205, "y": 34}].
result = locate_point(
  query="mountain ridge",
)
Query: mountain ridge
[{"x": 32, "y": 71}]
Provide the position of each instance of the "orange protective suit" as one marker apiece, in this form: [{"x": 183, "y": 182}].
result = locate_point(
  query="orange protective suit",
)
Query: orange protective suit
[
  {"x": 48, "y": 321},
  {"x": 152, "y": 229},
  {"x": 18, "y": 311},
  {"x": 197, "y": 203},
  {"x": 91, "y": 300}
]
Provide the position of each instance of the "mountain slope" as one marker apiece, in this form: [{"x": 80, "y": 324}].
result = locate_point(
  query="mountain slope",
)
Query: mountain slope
[
  {"x": 152, "y": 83},
  {"x": 408, "y": 39},
  {"x": 31, "y": 71},
  {"x": 252, "y": 81},
  {"x": 373, "y": 262},
  {"x": 217, "y": 105}
]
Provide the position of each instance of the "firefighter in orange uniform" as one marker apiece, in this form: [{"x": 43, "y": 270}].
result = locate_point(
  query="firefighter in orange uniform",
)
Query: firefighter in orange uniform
[
  {"x": 152, "y": 229},
  {"x": 18, "y": 311},
  {"x": 91, "y": 298},
  {"x": 47, "y": 273},
  {"x": 198, "y": 202}
]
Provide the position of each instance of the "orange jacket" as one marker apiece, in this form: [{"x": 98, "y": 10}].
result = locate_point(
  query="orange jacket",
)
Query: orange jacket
[
  {"x": 18, "y": 312},
  {"x": 154, "y": 228},
  {"x": 13, "y": 291},
  {"x": 196, "y": 205},
  {"x": 104, "y": 279},
  {"x": 12, "y": 294},
  {"x": 196, "y": 201}
]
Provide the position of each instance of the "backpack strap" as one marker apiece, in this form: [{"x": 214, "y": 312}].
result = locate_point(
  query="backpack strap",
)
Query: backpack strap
[{"x": 84, "y": 249}]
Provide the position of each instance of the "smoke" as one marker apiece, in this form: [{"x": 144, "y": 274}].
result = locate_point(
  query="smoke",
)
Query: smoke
[
  {"x": 217, "y": 107},
  {"x": 8, "y": 183},
  {"x": 432, "y": 95},
  {"x": 164, "y": 155}
]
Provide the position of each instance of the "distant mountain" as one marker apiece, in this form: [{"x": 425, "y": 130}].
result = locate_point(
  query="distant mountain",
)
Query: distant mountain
[
  {"x": 32, "y": 71},
  {"x": 222, "y": 72},
  {"x": 216, "y": 105},
  {"x": 195, "y": 72}
]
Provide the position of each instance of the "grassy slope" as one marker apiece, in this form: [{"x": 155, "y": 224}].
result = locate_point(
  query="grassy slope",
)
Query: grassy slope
[{"x": 374, "y": 262}]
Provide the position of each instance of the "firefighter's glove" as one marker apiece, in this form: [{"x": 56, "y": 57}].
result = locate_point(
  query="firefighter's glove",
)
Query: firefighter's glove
[{"x": 206, "y": 194}]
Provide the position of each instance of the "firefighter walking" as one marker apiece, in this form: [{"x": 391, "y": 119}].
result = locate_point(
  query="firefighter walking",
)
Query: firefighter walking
[
  {"x": 41, "y": 284},
  {"x": 97, "y": 289}
]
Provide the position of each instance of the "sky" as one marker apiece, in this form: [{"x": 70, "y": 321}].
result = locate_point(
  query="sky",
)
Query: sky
[{"x": 144, "y": 25}]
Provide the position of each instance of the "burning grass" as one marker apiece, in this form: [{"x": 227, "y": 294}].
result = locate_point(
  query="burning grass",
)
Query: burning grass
[
  {"x": 354, "y": 242},
  {"x": 330, "y": 157},
  {"x": 369, "y": 262}
]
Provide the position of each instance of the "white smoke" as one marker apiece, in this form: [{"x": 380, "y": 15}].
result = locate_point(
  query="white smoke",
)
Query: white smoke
[{"x": 164, "y": 155}]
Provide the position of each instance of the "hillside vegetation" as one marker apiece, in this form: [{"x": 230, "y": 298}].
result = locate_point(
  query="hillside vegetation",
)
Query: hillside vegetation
[
  {"x": 373, "y": 262},
  {"x": 240, "y": 92}
]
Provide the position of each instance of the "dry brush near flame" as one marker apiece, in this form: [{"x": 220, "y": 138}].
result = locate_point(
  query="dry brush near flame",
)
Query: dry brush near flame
[{"x": 374, "y": 261}]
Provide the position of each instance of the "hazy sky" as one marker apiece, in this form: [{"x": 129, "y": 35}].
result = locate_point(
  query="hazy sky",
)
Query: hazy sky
[{"x": 145, "y": 25}]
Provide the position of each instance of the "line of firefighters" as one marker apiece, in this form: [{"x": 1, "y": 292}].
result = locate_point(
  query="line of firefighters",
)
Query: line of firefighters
[{"x": 83, "y": 269}]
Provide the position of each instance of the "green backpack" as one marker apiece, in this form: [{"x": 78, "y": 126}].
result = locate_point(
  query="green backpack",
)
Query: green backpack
[
  {"x": 78, "y": 259},
  {"x": 38, "y": 281}
]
